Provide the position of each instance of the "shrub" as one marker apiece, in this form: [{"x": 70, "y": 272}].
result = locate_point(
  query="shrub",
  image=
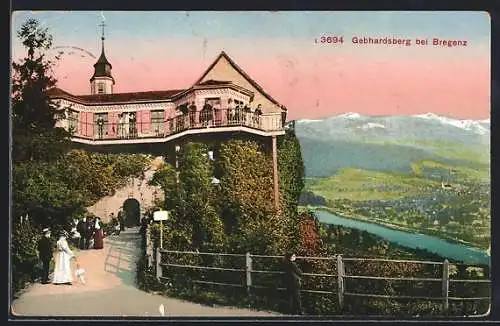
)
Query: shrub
[{"x": 25, "y": 262}]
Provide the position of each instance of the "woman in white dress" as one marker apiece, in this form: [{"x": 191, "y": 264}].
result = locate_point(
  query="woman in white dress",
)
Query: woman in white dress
[{"x": 62, "y": 269}]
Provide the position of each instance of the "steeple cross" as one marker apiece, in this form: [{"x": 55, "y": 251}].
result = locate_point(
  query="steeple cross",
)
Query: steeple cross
[{"x": 102, "y": 25}]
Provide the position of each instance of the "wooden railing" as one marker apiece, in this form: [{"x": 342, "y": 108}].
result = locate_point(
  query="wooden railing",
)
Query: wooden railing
[
  {"x": 341, "y": 291},
  {"x": 104, "y": 130}
]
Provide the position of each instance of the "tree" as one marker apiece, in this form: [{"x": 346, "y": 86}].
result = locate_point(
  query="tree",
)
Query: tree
[
  {"x": 33, "y": 114},
  {"x": 196, "y": 194},
  {"x": 291, "y": 171},
  {"x": 251, "y": 220},
  {"x": 166, "y": 178},
  {"x": 34, "y": 138},
  {"x": 37, "y": 189},
  {"x": 42, "y": 193},
  {"x": 189, "y": 196},
  {"x": 291, "y": 180}
]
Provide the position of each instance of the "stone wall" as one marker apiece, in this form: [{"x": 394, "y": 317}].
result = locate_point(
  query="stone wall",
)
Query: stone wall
[{"x": 136, "y": 188}]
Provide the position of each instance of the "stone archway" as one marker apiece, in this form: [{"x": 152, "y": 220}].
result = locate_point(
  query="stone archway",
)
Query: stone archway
[{"x": 132, "y": 212}]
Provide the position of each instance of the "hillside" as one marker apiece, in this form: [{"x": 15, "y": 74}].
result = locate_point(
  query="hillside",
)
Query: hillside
[
  {"x": 391, "y": 144},
  {"x": 424, "y": 173}
]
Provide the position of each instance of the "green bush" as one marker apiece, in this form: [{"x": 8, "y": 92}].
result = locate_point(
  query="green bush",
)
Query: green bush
[
  {"x": 146, "y": 276},
  {"x": 25, "y": 263}
]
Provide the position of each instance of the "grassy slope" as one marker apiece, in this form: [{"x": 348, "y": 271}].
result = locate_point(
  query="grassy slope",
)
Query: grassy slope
[
  {"x": 462, "y": 172},
  {"x": 356, "y": 184},
  {"x": 475, "y": 154}
]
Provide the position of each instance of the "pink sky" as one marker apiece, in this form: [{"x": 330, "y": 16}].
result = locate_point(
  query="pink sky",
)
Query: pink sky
[
  {"x": 321, "y": 85},
  {"x": 311, "y": 80}
]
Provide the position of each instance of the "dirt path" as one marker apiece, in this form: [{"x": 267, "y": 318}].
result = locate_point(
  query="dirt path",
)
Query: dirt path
[{"x": 110, "y": 289}]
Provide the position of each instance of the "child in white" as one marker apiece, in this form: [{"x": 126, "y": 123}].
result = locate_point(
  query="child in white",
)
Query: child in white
[{"x": 80, "y": 274}]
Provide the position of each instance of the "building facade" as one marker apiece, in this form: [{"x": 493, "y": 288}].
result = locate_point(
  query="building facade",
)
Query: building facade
[{"x": 224, "y": 103}]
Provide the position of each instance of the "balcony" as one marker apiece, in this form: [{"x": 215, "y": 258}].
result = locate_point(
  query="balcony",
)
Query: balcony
[{"x": 199, "y": 122}]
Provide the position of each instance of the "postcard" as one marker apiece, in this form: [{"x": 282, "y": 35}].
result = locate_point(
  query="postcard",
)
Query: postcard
[{"x": 248, "y": 164}]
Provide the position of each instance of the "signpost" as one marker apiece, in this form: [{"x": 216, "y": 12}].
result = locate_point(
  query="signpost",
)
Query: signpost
[{"x": 160, "y": 216}]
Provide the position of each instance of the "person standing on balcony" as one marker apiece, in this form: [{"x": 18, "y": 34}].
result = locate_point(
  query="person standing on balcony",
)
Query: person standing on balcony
[
  {"x": 230, "y": 111},
  {"x": 100, "y": 125},
  {"x": 133, "y": 126},
  {"x": 293, "y": 280},
  {"x": 192, "y": 115},
  {"x": 120, "y": 125},
  {"x": 239, "y": 113},
  {"x": 247, "y": 114},
  {"x": 125, "y": 125},
  {"x": 256, "y": 116}
]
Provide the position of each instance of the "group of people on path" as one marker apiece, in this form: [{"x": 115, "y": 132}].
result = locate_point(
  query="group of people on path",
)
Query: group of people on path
[
  {"x": 89, "y": 230},
  {"x": 118, "y": 223},
  {"x": 64, "y": 254}
]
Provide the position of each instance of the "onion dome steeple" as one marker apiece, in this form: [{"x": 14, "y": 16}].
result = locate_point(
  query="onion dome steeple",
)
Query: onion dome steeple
[{"x": 102, "y": 80}]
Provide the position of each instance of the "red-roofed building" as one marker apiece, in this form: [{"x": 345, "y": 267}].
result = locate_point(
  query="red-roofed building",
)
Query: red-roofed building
[{"x": 224, "y": 103}]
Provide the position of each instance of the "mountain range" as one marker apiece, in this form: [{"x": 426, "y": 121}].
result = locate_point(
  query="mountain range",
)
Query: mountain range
[{"x": 391, "y": 143}]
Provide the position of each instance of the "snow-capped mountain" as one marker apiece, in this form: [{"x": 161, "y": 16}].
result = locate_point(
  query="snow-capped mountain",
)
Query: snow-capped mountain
[
  {"x": 349, "y": 115},
  {"x": 388, "y": 143},
  {"x": 476, "y": 126},
  {"x": 428, "y": 126},
  {"x": 370, "y": 125}
]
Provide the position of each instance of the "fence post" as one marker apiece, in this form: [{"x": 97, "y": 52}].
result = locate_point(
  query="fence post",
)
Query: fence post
[
  {"x": 158, "y": 264},
  {"x": 340, "y": 281},
  {"x": 446, "y": 284},
  {"x": 149, "y": 250},
  {"x": 248, "y": 269},
  {"x": 150, "y": 259}
]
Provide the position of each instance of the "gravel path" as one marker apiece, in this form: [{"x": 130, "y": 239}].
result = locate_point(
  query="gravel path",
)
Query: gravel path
[{"x": 110, "y": 289}]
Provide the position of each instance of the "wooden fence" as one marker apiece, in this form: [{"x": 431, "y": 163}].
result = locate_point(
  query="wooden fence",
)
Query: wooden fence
[{"x": 341, "y": 291}]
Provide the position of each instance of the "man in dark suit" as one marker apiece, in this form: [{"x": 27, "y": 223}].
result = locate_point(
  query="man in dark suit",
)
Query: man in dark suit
[
  {"x": 293, "y": 279},
  {"x": 45, "y": 254},
  {"x": 83, "y": 227}
]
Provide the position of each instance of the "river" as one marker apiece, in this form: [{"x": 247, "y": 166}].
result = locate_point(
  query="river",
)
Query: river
[{"x": 433, "y": 244}]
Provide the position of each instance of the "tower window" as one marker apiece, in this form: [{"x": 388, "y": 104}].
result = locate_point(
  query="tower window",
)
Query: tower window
[{"x": 100, "y": 88}]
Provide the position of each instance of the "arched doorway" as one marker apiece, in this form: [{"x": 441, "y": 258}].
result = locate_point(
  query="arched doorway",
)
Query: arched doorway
[{"x": 132, "y": 212}]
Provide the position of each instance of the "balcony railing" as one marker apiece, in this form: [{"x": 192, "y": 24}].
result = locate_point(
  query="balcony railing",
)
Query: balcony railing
[{"x": 158, "y": 128}]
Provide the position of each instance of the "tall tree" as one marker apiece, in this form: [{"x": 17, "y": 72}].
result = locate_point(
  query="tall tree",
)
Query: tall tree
[
  {"x": 33, "y": 114},
  {"x": 291, "y": 177},
  {"x": 248, "y": 208},
  {"x": 166, "y": 178},
  {"x": 36, "y": 188},
  {"x": 197, "y": 194}
]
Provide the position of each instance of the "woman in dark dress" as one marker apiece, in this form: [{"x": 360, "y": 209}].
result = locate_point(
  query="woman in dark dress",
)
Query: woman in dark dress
[{"x": 98, "y": 234}]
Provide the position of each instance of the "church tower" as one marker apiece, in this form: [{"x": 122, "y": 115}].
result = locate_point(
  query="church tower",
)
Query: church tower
[{"x": 102, "y": 81}]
